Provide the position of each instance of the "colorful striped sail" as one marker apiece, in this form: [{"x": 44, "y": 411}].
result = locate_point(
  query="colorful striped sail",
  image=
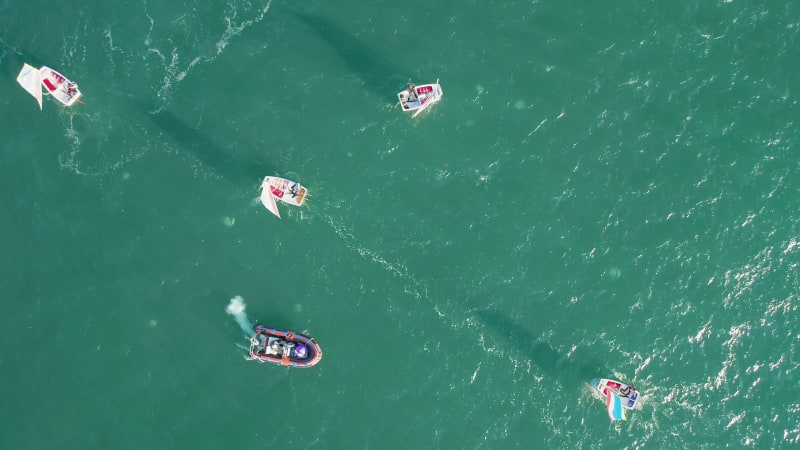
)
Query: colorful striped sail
[{"x": 614, "y": 406}]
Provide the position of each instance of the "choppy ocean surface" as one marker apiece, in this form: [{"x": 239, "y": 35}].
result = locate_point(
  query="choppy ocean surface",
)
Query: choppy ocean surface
[{"x": 605, "y": 190}]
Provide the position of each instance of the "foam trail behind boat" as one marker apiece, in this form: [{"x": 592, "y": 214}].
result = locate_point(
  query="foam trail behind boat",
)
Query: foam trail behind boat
[{"x": 236, "y": 309}]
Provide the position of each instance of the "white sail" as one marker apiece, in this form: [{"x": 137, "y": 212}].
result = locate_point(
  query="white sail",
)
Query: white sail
[
  {"x": 268, "y": 200},
  {"x": 31, "y": 80}
]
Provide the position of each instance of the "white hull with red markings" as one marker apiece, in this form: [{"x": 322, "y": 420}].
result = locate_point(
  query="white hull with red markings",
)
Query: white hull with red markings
[
  {"x": 38, "y": 81},
  {"x": 419, "y": 98},
  {"x": 287, "y": 191}
]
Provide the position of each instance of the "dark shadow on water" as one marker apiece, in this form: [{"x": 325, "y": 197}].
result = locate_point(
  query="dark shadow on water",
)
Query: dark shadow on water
[
  {"x": 381, "y": 76},
  {"x": 203, "y": 148},
  {"x": 572, "y": 370}
]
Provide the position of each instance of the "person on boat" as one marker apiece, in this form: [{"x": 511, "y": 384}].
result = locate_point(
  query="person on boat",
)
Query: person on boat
[
  {"x": 294, "y": 189},
  {"x": 627, "y": 391},
  {"x": 275, "y": 347},
  {"x": 287, "y": 348},
  {"x": 412, "y": 92},
  {"x": 72, "y": 88}
]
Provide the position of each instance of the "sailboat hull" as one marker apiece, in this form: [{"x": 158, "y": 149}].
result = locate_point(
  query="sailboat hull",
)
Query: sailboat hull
[
  {"x": 628, "y": 394},
  {"x": 287, "y": 191},
  {"x": 59, "y": 87},
  {"x": 420, "y": 98}
]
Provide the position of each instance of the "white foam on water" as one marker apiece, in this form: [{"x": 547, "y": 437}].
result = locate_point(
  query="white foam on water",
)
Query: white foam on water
[
  {"x": 88, "y": 128},
  {"x": 177, "y": 70},
  {"x": 236, "y": 308},
  {"x": 395, "y": 268},
  {"x": 87, "y": 135},
  {"x": 110, "y": 49},
  {"x": 418, "y": 289},
  {"x": 232, "y": 29}
]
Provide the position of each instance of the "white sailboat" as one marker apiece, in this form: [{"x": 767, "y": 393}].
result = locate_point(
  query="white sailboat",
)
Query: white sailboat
[
  {"x": 619, "y": 397},
  {"x": 282, "y": 189},
  {"x": 419, "y": 98},
  {"x": 35, "y": 81}
]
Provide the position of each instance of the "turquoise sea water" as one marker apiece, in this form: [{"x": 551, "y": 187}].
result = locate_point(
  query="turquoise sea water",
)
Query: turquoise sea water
[{"x": 605, "y": 190}]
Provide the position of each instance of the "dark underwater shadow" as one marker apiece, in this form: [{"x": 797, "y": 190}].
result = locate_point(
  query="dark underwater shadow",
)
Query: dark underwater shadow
[
  {"x": 379, "y": 74},
  {"x": 572, "y": 370},
  {"x": 193, "y": 140}
]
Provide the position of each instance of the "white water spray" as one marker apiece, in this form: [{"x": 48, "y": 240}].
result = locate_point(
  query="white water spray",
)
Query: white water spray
[{"x": 236, "y": 309}]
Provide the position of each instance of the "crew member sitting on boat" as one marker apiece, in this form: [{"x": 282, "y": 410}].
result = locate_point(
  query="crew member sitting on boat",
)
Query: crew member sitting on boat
[
  {"x": 627, "y": 391},
  {"x": 412, "y": 93},
  {"x": 294, "y": 189},
  {"x": 275, "y": 347}
]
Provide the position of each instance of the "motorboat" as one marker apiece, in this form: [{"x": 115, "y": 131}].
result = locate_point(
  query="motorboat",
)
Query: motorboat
[{"x": 283, "y": 347}]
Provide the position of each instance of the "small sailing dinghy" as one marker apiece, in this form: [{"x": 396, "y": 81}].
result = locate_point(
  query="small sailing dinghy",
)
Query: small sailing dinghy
[
  {"x": 619, "y": 397},
  {"x": 58, "y": 86},
  {"x": 418, "y": 98},
  {"x": 285, "y": 190},
  {"x": 283, "y": 347}
]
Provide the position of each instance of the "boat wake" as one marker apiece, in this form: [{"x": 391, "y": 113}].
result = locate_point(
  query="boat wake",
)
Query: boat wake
[
  {"x": 236, "y": 308},
  {"x": 395, "y": 268},
  {"x": 175, "y": 68}
]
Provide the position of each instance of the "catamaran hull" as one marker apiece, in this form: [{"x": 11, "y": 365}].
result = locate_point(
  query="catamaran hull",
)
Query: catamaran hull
[{"x": 265, "y": 335}]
